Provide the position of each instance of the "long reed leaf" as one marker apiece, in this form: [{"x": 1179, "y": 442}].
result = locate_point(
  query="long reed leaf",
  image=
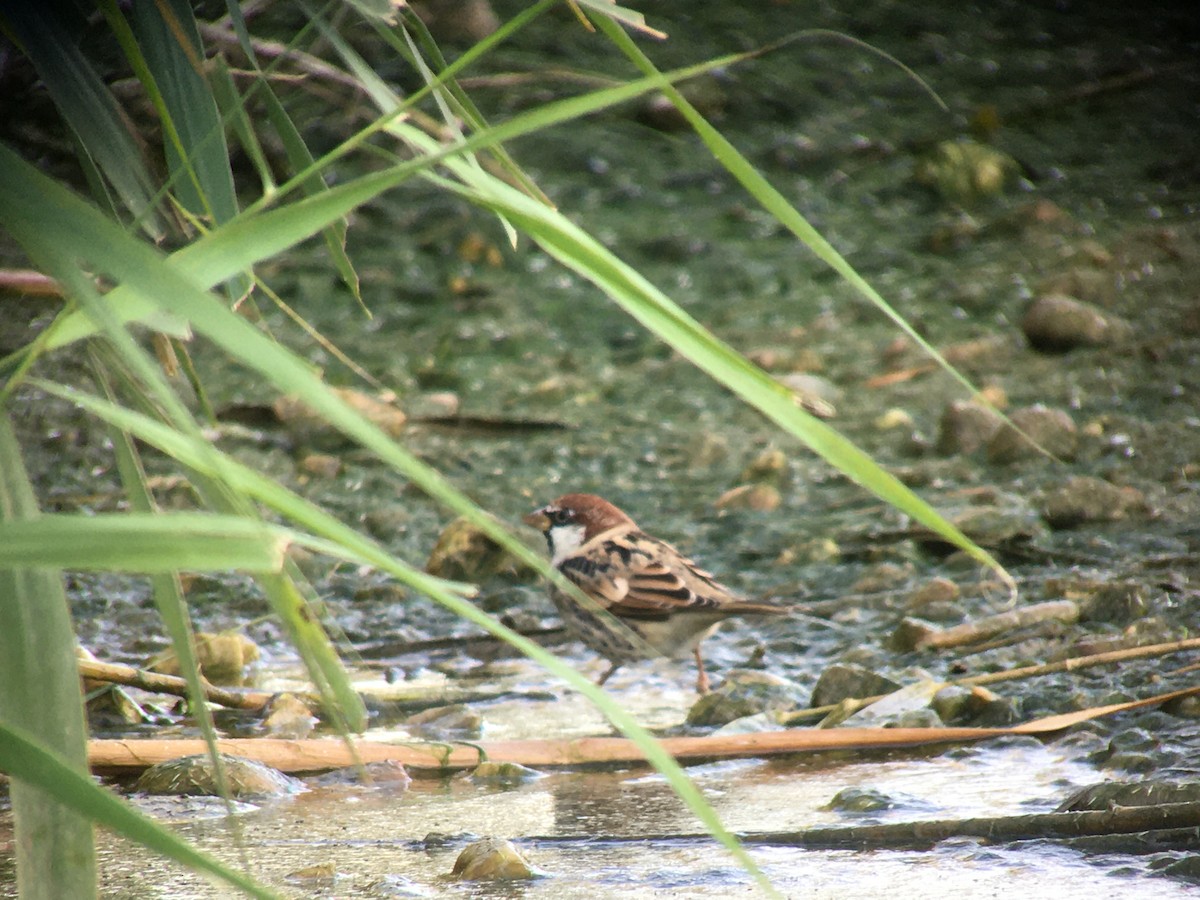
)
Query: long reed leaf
[
  {"x": 40, "y": 694},
  {"x": 31, "y": 761}
]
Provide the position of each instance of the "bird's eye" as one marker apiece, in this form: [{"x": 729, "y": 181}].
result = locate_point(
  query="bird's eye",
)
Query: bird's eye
[{"x": 561, "y": 516}]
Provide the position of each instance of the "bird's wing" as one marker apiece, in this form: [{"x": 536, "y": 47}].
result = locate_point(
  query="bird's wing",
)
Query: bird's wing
[{"x": 639, "y": 577}]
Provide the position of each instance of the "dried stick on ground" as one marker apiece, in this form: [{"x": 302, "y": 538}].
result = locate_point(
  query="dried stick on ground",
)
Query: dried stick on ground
[
  {"x": 1062, "y": 665},
  {"x": 170, "y": 684},
  {"x": 1119, "y": 820},
  {"x": 919, "y": 835},
  {"x": 126, "y": 756},
  {"x": 983, "y": 629}
]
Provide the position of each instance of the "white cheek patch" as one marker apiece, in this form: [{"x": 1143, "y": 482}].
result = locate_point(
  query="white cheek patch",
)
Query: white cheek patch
[{"x": 565, "y": 539}]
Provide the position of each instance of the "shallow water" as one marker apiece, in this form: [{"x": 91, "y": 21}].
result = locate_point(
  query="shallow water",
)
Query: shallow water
[
  {"x": 838, "y": 131},
  {"x": 629, "y": 824}
]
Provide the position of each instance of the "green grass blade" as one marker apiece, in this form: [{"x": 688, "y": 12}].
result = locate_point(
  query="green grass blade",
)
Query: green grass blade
[
  {"x": 197, "y": 158},
  {"x": 40, "y": 694},
  {"x": 31, "y": 761},
  {"x": 87, "y": 106},
  {"x": 300, "y": 159},
  {"x": 168, "y": 593},
  {"x": 242, "y": 478},
  {"x": 775, "y": 203},
  {"x": 46, "y": 232},
  {"x": 142, "y": 542},
  {"x": 579, "y": 251},
  {"x": 258, "y": 234}
]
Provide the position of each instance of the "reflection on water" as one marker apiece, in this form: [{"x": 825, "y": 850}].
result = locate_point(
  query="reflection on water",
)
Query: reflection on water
[{"x": 577, "y": 827}]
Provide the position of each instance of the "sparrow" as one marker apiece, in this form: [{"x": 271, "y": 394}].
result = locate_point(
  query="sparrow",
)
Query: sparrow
[{"x": 663, "y": 604}]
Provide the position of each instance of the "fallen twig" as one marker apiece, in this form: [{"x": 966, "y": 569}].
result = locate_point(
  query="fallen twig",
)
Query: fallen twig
[
  {"x": 1083, "y": 662},
  {"x": 117, "y": 673},
  {"x": 126, "y": 756},
  {"x": 919, "y": 835},
  {"x": 1062, "y": 665},
  {"x": 1119, "y": 820},
  {"x": 981, "y": 629}
]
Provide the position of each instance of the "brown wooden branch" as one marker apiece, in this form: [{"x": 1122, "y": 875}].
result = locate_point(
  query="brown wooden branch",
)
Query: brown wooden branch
[
  {"x": 170, "y": 684},
  {"x": 982, "y": 629},
  {"x": 1182, "y": 817},
  {"x": 1083, "y": 662},
  {"x": 28, "y": 281},
  {"x": 1119, "y": 820},
  {"x": 1062, "y": 665},
  {"x": 128, "y": 756}
]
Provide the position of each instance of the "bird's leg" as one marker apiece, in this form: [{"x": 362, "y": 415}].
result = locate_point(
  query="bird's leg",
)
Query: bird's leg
[
  {"x": 702, "y": 686},
  {"x": 603, "y": 678}
]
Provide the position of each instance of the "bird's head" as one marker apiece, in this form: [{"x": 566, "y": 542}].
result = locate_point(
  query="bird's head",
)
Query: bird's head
[{"x": 574, "y": 519}]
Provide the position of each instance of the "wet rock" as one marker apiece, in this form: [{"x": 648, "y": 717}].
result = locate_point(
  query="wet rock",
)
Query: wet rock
[
  {"x": 464, "y": 553},
  {"x": 755, "y": 724},
  {"x": 911, "y": 633},
  {"x": 372, "y": 775},
  {"x": 914, "y": 718},
  {"x": 956, "y": 232},
  {"x": 465, "y": 21},
  {"x": 960, "y": 705},
  {"x": 908, "y": 707},
  {"x": 860, "y": 800},
  {"x": 744, "y": 693},
  {"x": 1089, "y": 283},
  {"x": 1052, "y": 429},
  {"x": 320, "y": 875},
  {"x": 1132, "y": 761},
  {"x": 814, "y": 551},
  {"x": 288, "y": 716},
  {"x": 1057, "y": 322},
  {"x": 705, "y": 92},
  {"x": 1183, "y": 707},
  {"x": 223, "y": 658},
  {"x": 966, "y": 172},
  {"x": 436, "y": 405},
  {"x": 881, "y": 577},
  {"x": 966, "y": 426},
  {"x": 1118, "y": 603},
  {"x": 321, "y": 465},
  {"x": 504, "y": 774},
  {"x": 813, "y": 393},
  {"x": 1108, "y": 794},
  {"x": 893, "y": 418},
  {"x": 1131, "y": 749},
  {"x": 758, "y": 497},
  {"x": 841, "y": 682},
  {"x": 192, "y": 776},
  {"x": 936, "y": 591},
  {"x": 297, "y": 416},
  {"x": 457, "y": 721},
  {"x": 1009, "y": 521},
  {"x": 492, "y": 859},
  {"x": 1083, "y": 499},
  {"x": 769, "y": 467},
  {"x": 1187, "y": 868}
]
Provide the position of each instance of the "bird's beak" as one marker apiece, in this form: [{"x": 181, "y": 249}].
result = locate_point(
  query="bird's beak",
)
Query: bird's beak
[{"x": 537, "y": 519}]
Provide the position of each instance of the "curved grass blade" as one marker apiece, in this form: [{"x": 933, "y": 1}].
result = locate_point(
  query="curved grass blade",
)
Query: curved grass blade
[
  {"x": 776, "y": 204},
  {"x": 86, "y": 105},
  {"x": 197, "y": 155},
  {"x": 30, "y": 761},
  {"x": 40, "y": 693},
  {"x": 577, "y": 250},
  {"x": 144, "y": 542}
]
